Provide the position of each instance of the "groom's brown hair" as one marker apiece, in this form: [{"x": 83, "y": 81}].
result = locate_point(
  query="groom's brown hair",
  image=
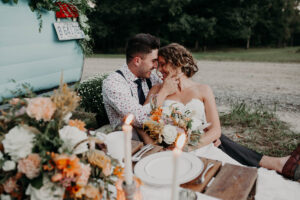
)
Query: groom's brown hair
[{"x": 142, "y": 43}]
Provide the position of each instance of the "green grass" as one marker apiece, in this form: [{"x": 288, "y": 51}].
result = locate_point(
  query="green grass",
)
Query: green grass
[
  {"x": 107, "y": 56},
  {"x": 288, "y": 54},
  {"x": 260, "y": 130}
]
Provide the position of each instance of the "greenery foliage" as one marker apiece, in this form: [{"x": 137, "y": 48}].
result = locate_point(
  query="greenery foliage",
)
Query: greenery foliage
[
  {"x": 260, "y": 129},
  {"x": 197, "y": 23},
  {"x": 90, "y": 92}
]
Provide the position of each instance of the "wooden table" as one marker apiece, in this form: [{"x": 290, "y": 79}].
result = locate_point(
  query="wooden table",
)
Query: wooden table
[{"x": 231, "y": 182}]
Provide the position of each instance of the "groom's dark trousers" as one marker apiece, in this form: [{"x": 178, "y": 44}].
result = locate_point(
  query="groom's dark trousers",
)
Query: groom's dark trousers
[{"x": 239, "y": 153}]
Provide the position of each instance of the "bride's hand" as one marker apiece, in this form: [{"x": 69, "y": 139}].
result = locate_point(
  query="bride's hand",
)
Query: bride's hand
[{"x": 217, "y": 142}]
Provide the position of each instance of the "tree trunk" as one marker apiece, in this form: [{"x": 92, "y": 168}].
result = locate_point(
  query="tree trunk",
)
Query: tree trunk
[
  {"x": 197, "y": 45},
  {"x": 248, "y": 43}
]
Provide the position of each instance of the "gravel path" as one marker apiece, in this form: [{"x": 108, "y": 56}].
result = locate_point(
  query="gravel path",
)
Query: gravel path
[{"x": 252, "y": 82}]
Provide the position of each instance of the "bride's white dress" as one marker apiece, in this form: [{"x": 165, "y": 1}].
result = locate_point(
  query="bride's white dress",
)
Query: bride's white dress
[
  {"x": 269, "y": 185},
  {"x": 196, "y": 107}
]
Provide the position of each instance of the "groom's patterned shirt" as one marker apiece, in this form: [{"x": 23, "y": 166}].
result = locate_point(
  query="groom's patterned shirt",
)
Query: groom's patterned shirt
[{"x": 120, "y": 97}]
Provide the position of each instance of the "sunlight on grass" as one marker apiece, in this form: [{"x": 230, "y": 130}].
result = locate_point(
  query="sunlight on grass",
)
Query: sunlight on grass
[
  {"x": 288, "y": 54},
  {"x": 260, "y": 129}
]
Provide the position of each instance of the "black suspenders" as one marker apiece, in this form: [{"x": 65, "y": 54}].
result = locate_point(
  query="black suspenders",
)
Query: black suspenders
[{"x": 147, "y": 80}]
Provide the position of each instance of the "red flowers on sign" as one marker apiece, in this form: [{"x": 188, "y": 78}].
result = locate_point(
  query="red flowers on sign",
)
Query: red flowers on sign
[{"x": 66, "y": 11}]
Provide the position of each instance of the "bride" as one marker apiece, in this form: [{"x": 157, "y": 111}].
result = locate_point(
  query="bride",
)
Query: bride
[{"x": 176, "y": 61}]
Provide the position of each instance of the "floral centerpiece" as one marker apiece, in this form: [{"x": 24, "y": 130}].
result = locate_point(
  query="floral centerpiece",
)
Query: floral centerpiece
[
  {"x": 46, "y": 155},
  {"x": 166, "y": 123}
]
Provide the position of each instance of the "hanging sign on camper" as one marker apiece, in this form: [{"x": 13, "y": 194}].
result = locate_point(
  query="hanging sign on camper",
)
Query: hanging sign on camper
[{"x": 68, "y": 30}]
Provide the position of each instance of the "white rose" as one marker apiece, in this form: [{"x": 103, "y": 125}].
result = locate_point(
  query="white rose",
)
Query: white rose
[
  {"x": 18, "y": 142},
  {"x": 169, "y": 133},
  {"x": 71, "y": 136},
  {"x": 49, "y": 191},
  {"x": 5, "y": 197},
  {"x": 167, "y": 110},
  {"x": 9, "y": 165},
  {"x": 198, "y": 125}
]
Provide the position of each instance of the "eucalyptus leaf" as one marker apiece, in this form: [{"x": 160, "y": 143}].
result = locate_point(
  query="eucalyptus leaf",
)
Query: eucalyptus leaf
[{"x": 37, "y": 182}]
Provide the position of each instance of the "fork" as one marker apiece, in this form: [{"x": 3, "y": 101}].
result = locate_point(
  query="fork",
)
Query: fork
[
  {"x": 141, "y": 152},
  {"x": 202, "y": 179}
]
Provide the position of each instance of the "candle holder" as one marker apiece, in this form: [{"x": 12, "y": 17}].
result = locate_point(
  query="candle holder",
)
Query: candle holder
[{"x": 129, "y": 190}]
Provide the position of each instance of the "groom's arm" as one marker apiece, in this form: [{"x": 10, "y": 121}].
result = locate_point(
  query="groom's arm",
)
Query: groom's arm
[{"x": 117, "y": 94}]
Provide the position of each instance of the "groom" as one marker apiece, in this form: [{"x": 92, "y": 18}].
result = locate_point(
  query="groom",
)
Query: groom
[{"x": 125, "y": 91}]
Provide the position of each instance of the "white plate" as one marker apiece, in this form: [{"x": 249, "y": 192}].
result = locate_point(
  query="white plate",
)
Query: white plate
[{"x": 157, "y": 169}]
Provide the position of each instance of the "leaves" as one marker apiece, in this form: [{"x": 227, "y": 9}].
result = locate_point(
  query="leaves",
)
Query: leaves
[{"x": 37, "y": 182}]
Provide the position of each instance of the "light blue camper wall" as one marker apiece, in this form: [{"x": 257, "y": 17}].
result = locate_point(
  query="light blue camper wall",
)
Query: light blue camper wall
[{"x": 30, "y": 56}]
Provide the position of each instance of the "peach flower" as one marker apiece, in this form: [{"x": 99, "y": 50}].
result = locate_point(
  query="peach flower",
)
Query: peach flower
[
  {"x": 14, "y": 101},
  {"x": 41, "y": 108},
  {"x": 77, "y": 123},
  {"x": 121, "y": 192},
  {"x": 10, "y": 184},
  {"x": 99, "y": 159},
  {"x": 82, "y": 180},
  {"x": 30, "y": 166},
  {"x": 70, "y": 165},
  {"x": 56, "y": 177},
  {"x": 92, "y": 193}
]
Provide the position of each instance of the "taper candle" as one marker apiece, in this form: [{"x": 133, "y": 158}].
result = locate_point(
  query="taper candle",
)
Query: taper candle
[
  {"x": 176, "y": 155},
  {"x": 127, "y": 129}
]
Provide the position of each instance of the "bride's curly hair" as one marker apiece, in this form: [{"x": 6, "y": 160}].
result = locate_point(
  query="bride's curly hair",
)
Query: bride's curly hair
[{"x": 179, "y": 56}]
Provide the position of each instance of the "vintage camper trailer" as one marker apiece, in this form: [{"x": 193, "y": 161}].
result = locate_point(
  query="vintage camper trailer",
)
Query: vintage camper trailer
[{"x": 33, "y": 57}]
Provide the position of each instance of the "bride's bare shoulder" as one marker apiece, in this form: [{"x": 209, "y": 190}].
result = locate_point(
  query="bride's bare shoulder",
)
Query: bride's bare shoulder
[{"x": 203, "y": 88}]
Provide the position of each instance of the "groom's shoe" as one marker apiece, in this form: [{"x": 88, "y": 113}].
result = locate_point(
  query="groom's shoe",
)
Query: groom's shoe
[{"x": 291, "y": 169}]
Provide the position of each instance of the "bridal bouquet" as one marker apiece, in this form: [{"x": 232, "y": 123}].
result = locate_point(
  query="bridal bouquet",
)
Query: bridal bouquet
[
  {"x": 166, "y": 123},
  {"x": 46, "y": 155}
]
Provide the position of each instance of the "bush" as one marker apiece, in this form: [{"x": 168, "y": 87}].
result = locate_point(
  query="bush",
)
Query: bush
[{"x": 90, "y": 92}]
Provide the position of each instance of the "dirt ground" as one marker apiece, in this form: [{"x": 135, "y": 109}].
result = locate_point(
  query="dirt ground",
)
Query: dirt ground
[{"x": 252, "y": 82}]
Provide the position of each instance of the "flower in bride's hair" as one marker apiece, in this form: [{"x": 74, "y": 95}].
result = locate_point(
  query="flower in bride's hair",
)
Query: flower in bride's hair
[
  {"x": 18, "y": 142},
  {"x": 40, "y": 108},
  {"x": 30, "y": 166},
  {"x": 169, "y": 133}
]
